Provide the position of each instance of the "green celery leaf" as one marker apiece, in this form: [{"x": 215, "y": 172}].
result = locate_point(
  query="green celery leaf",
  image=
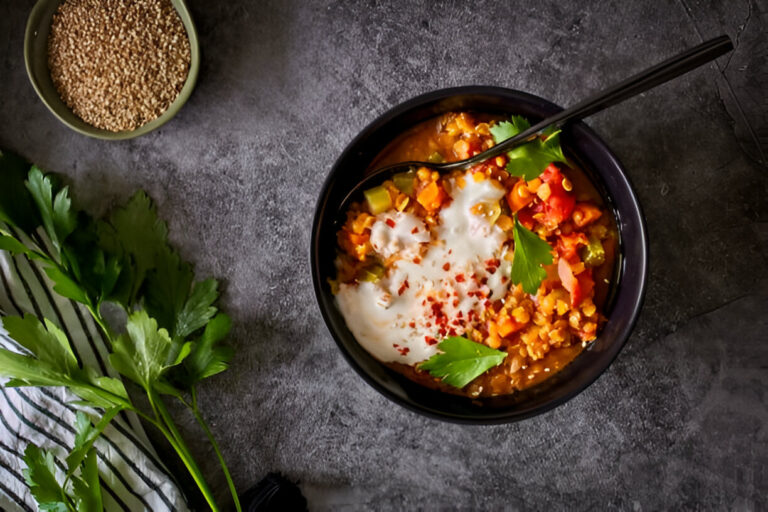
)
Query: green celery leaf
[
  {"x": 167, "y": 289},
  {"x": 530, "y": 159},
  {"x": 16, "y": 205},
  {"x": 65, "y": 285},
  {"x": 461, "y": 361},
  {"x": 40, "y": 475},
  {"x": 47, "y": 342},
  {"x": 59, "y": 220},
  {"x": 136, "y": 234},
  {"x": 198, "y": 309},
  {"x": 86, "y": 489},
  {"x": 145, "y": 351},
  {"x": 207, "y": 358},
  {"x": 10, "y": 244},
  {"x": 85, "y": 435},
  {"x": 531, "y": 252}
]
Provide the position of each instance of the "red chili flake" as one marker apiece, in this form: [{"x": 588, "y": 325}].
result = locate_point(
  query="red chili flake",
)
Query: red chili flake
[
  {"x": 484, "y": 280},
  {"x": 431, "y": 299},
  {"x": 455, "y": 293},
  {"x": 442, "y": 332},
  {"x": 415, "y": 230},
  {"x": 470, "y": 294},
  {"x": 429, "y": 324},
  {"x": 430, "y": 340},
  {"x": 403, "y": 351},
  {"x": 424, "y": 302},
  {"x": 417, "y": 260},
  {"x": 412, "y": 325},
  {"x": 390, "y": 223},
  {"x": 487, "y": 304},
  {"x": 491, "y": 270},
  {"x": 455, "y": 303},
  {"x": 450, "y": 251},
  {"x": 459, "y": 278},
  {"x": 504, "y": 279},
  {"x": 452, "y": 331},
  {"x": 402, "y": 288},
  {"x": 460, "y": 314},
  {"x": 447, "y": 267}
]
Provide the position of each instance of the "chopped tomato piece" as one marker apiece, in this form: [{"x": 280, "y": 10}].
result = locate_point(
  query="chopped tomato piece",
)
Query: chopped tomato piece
[
  {"x": 559, "y": 205},
  {"x": 569, "y": 281}
]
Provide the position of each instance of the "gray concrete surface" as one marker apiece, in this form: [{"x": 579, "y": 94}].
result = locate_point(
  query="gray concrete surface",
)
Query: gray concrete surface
[{"x": 681, "y": 418}]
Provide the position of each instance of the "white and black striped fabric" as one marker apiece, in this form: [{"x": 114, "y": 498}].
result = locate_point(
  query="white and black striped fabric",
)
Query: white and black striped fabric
[{"x": 132, "y": 475}]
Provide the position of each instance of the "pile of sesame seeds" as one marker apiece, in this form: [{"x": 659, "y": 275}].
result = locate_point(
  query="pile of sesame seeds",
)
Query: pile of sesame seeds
[{"x": 118, "y": 64}]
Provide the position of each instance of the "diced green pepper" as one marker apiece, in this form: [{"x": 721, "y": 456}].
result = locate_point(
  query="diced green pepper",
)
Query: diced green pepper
[
  {"x": 405, "y": 181},
  {"x": 378, "y": 199},
  {"x": 593, "y": 254},
  {"x": 436, "y": 158},
  {"x": 373, "y": 273}
]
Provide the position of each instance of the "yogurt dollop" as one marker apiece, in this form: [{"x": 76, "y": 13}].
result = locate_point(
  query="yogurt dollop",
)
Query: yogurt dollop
[{"x": 439, "y": 280}]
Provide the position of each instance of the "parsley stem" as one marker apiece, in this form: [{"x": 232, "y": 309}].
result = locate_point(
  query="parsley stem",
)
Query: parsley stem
[
  {"x": 174, "y": 437},
  {"x": 215, "y": 445}
]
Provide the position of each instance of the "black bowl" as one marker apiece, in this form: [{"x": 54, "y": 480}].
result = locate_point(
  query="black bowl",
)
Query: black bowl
[{"x": 622, "y": 308}]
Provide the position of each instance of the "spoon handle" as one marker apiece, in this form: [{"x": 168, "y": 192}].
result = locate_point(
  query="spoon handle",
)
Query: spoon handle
[{"x": 632, "y": 86}]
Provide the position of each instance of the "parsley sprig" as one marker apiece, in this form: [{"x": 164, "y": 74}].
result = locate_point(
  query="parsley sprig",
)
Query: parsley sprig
[
  {"x": 461, "y": 361},
  {"x": 172, "y": 335},
  {"x": 530, "y": 159},
  {"x": 531, "y": 252}
]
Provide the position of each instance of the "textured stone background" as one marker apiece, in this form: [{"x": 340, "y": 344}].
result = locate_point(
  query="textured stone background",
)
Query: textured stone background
[{"x": 681, "y": 418}]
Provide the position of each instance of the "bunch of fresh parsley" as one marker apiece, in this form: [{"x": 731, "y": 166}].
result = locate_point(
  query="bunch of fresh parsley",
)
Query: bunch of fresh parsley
[{"x": 170, "y": 342}]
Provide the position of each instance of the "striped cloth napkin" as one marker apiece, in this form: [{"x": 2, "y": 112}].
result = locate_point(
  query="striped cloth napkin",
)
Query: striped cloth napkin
[{"x": 132, "y": 475}]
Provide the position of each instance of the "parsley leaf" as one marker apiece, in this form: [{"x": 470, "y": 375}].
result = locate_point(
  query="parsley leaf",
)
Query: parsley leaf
[
  {"x": 145, "y": 351},
  {"x": 207, "y": 358},
  {"x": 51, "y": 362},
  {"x": 462, "y": 361},
  {"x": 84, "y": 493},
  {"x": 86, "y": 489},
  {"x": 85, "y": 436},
  {"x": 530, "y": 159},
  {"x": 531, "y": 252},
  {"x": 40, "y": 475},
  {"x": 55, "y": 210},
  {"x": 136, "y": 234}
]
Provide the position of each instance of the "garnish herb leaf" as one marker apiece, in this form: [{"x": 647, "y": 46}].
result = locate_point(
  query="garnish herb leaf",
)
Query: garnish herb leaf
[
  {"x": 87, "y": 488},
  {"x": 40, "y": 475},
  {"x": 55, "y": 211},
  {"x": 145, "y": 351},
  {"x": 85, "y": 435},
  {"x": 461, "y": 361},
  {"x": 530, "y": 159},
  {"x": 207, "y": 357},
  {"x": 531, "y": 252},
  {"x": 51, "y": 362}
]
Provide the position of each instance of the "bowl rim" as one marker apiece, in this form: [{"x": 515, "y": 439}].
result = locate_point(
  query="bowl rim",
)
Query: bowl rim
[
  {"x": 502, "y": 416},
  {"x": 182, "y": 10}
]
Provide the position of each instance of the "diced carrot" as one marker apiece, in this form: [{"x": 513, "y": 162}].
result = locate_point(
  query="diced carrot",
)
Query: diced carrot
[
  {"x": 431, "y": 196},
  {"x": 585, "y": 213},
  {"x": 519, "y": 197},
  {"x": 358, "y": 239},
  {"x": 505, "y": 325}
]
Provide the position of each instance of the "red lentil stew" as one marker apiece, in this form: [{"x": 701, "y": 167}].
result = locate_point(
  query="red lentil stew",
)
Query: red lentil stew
[{"x": 479, "y": 282}]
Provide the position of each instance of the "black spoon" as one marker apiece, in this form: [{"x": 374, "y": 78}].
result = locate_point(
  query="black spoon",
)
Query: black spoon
[{"x": 632, "y": 86}]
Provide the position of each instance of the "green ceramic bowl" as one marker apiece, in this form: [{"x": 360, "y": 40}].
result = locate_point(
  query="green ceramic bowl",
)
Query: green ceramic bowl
[{"x": 36, "y": 60}]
